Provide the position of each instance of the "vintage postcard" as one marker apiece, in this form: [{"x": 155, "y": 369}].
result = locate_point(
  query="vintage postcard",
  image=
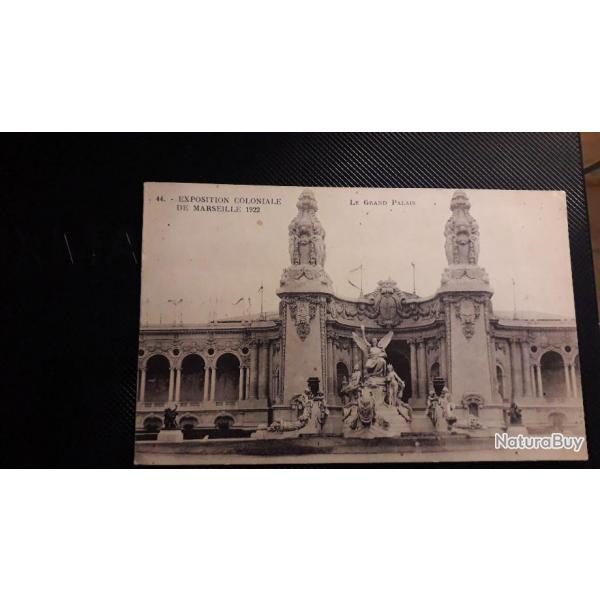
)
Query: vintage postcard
[{"x": 285, "y": 325}]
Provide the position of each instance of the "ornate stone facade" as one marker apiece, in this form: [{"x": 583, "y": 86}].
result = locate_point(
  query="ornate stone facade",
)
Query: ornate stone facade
[{"x": 242, "y": 374}]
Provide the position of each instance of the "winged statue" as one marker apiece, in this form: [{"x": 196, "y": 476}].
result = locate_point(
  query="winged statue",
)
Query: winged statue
[{"x": 374, "y": 352}]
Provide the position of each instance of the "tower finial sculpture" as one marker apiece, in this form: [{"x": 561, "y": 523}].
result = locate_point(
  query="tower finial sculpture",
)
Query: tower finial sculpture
[
  {"x": 462, "y": 247},
  {"x": 307, "y": 249},
  {"x": 462, "y": 232},
  {"x": 307, "y": 236}
]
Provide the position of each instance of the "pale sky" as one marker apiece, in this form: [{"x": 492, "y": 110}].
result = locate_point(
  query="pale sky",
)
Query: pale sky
[{"x": 211, "y": 259}]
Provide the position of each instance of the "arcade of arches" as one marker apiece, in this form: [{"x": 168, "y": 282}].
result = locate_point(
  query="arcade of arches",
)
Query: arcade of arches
[
  {"x": 552, "y": 377},
  {"x": 195, "y": 381},
  {"x": 229, "y": 381},
  {"x": 555, "y": 377}
]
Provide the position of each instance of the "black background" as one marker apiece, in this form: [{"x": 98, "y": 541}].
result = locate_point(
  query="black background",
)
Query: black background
[{"x": 70, "y": 331}]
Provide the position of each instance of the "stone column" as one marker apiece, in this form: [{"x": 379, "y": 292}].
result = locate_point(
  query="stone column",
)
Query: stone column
[
  {"x": 205, "y": 397},
  {"x": 272, "y": 391},
  {"x": 170, "y": 397},
  {"x": 263, "y": 371},
  {"x": 213, "y": 384},
  {"x": 253, "y": 372},
  {"x": 330, "y": 369},
  {"x": 241, "y": 385},
  {"x": 142, "y": 390},
  {"x": 422, "y": 369},
  {"x": 413, "y": 369},
  {"x": 515, "y": 370},
  {"x": 177, "y": 385},
  {"x": 526, "y": 369},
  {"x": 539, "y": 381},
  {"x": 567, "y": 380},
  {"x": 574, "y": 386},
  {"x": 443, "y": 359},
  {"x": 353, "y": 350}
]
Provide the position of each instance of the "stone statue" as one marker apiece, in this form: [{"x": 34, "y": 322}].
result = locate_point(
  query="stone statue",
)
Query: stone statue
[
  {"x": 350, "y": 392},
  {"x": 462, "y": 233},
  {"x": 395, "y": 386},
  {"x": 306, "y": 234},
  {"x": 303, "y": 405},
  {"x": 374, "y": 352},
  {"x": 306, "y": 246},
  {"x": 462, "y": 249},
  {"x": 434, "y": 410},
  {"x": 365, "y": 413},
  {"x": 351, "y": 388},
  {"x": 170, "y": 418},
  {"x": 322, "y": 408},
  {"x": 318, "y": 246},
  {"x": 342, "y": 389},
  {"x": 448, "y": 407},
  {"x": 395, "y": 391},
  {"x": 312, "y": 412},
  {"x": 432, "y": 399},
  {"x": 515, "y": 414}
]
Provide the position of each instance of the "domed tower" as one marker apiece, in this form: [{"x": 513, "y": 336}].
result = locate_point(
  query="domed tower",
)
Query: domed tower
[{"x": 466, "y": 295}]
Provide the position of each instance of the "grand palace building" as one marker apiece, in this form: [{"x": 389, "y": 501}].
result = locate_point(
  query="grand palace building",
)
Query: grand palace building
[{"x": 240, "y": 373}]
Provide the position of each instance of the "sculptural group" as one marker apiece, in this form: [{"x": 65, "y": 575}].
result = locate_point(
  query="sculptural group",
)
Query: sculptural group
[
  {"x": 311, "y": 414},
  {"x": 372, "y": 402},
  {"x": 440, "y": 410}
]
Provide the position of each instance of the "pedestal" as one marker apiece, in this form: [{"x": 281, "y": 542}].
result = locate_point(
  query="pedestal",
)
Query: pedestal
[
  {"x": 467, "y": 303},
  {"x": 333, "y": 424},
  {"x": 387, "y": 421},
  {"x": 304, "y": 342},
  {"x": 170, "y": 435}
]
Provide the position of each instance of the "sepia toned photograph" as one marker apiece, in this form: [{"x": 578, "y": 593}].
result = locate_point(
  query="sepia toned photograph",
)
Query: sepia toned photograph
[{"x": 287, "y": 325}]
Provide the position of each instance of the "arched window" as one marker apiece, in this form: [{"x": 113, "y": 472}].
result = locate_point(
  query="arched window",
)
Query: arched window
[
  {"x": 152, "y": 424},
  {"x": 228, "y": 379},
  {"x": 553, "y": 375},
  {"x": 434, "y": 371},
  {"x": 500, "y": 381},
  {"x": 157, "y": 379},
  {"x": 473, "y": 408},
  {"x": 188, "y": 422},
  {"x": 342, "y": 375},
  {"x": 192, "y": 379},
  {"x": 224, "y": 422}
]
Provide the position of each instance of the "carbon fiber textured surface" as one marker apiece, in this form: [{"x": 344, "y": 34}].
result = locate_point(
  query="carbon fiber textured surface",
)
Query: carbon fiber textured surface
[{"x": 79, "y": 395}]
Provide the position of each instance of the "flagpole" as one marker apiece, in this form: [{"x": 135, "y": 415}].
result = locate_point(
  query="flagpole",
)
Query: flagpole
[
  {"x": 361, "y": 281},
  {"x": 262, "y": 314},
  {"x": 414, "y": 278},
  {"x": 514, "y": 300}
]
